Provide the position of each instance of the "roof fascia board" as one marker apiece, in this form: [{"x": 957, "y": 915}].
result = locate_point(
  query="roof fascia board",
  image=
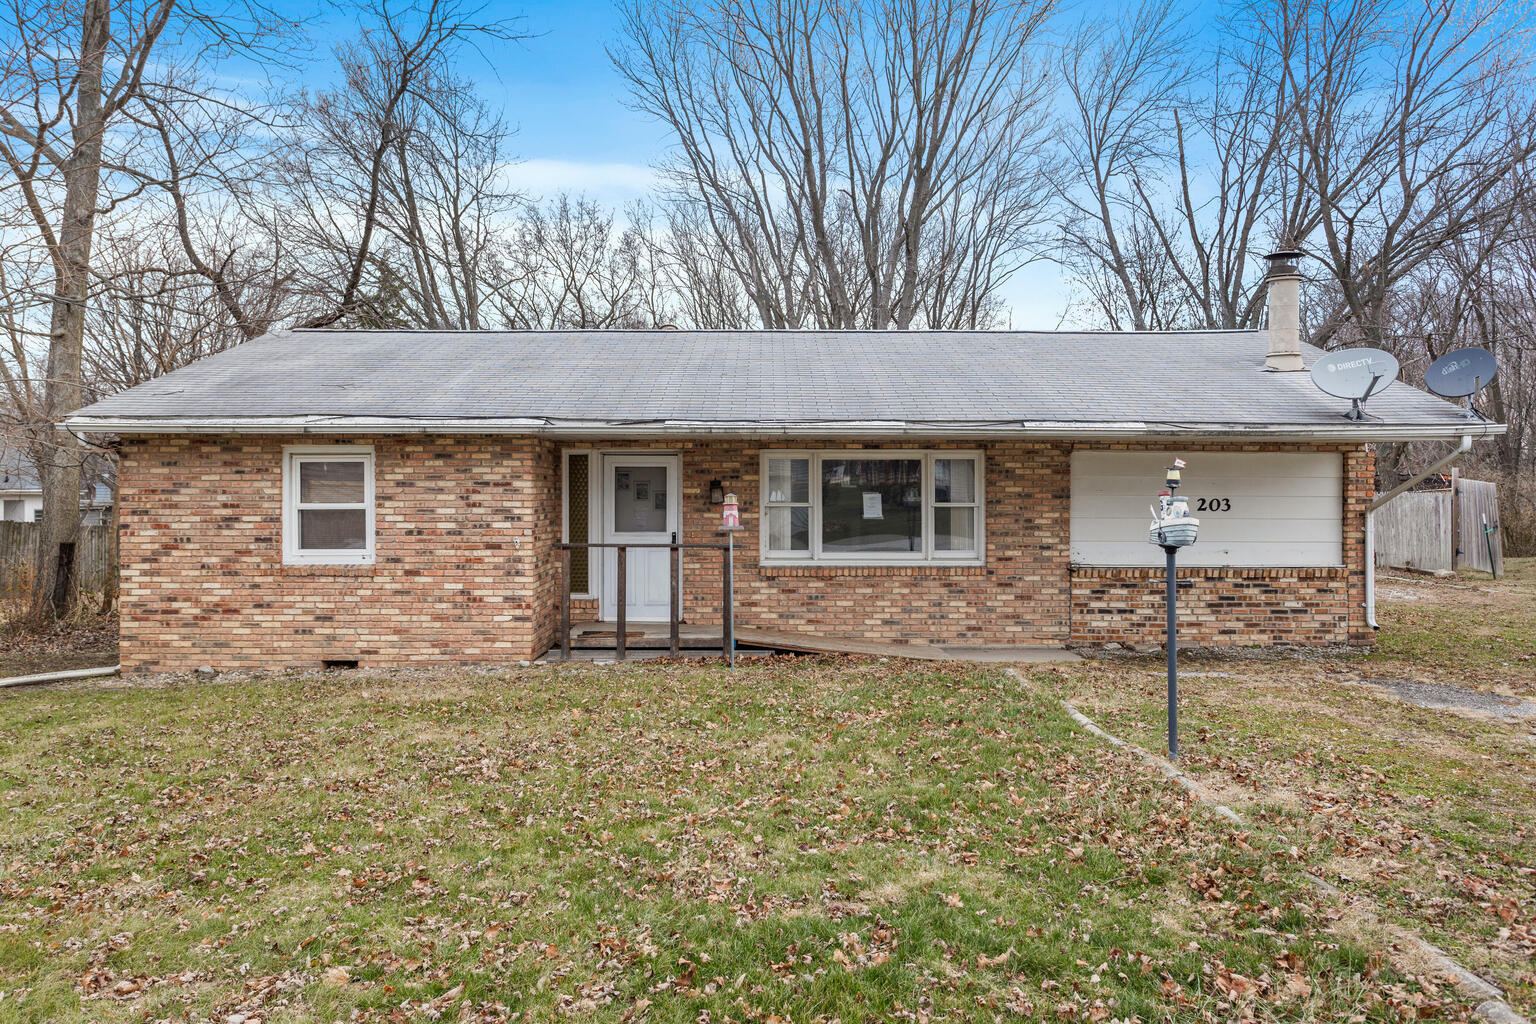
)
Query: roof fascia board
[{"x": 859, "y": 430}]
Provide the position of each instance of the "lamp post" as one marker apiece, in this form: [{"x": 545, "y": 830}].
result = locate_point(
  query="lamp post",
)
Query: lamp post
[
  {"x": 730, "y": 525},
  {"x": 1173, "y": 528}
]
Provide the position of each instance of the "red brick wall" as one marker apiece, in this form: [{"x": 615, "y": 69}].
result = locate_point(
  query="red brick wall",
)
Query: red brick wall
[
  {"x": 468, "y": 568},
  {"x": 1027, "y": 592},
  {"x": 1020, "y": 596},
  {"x": 1238, "y": 606},
  {"x": 458, "y": 577}
]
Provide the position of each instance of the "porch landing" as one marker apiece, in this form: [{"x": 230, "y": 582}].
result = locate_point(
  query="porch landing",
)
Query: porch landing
[{"x": 591, "y": 640}]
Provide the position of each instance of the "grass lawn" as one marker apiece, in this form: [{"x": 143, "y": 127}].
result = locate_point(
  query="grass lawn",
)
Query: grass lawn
[
  {"x": 1429, "y": 813},
  {"x": 801, "y": 841}
]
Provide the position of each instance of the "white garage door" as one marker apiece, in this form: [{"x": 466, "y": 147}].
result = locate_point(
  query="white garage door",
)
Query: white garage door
[{"x": 1255, "y": 509}]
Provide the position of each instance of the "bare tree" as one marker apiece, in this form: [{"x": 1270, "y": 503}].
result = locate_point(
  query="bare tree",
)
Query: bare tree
[
  {"x": 69, "y": 73},
  {"x": 1368, "y": 132},
  {"x": 825, "y": 145},
  {"x": 390, "y": 177},
  {"x": 1410, "y": 116},
  {"x": 572, "y": 266}
]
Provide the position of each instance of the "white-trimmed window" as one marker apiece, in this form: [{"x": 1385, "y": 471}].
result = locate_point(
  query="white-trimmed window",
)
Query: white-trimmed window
[
  {"x": 328, "y": 505},
  {"x": 872, "y": 506}
]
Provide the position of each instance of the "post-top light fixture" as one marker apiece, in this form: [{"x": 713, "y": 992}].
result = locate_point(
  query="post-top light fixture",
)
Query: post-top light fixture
[{"x": 716, "y": 492}]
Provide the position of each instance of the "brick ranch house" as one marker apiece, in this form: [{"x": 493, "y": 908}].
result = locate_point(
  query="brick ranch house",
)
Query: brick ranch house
[{"x": 396, "y": 497}]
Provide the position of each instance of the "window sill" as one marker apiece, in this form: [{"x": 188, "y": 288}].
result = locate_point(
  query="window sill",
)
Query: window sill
[
  {"x": 342, "y": 561},
  {"x": 328, "y": 569},
  {"x": 827, "y": 569}
]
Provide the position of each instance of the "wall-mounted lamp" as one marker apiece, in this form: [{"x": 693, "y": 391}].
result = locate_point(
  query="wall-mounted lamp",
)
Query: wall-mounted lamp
[{"x": 716, "y": 492}]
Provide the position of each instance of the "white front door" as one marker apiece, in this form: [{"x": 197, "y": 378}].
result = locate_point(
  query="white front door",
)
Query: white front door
[{"x": 640, "y": 506}]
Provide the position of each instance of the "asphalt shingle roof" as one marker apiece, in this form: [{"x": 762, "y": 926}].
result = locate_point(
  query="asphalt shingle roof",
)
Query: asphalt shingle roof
[{"x": 1184, "y": 381}]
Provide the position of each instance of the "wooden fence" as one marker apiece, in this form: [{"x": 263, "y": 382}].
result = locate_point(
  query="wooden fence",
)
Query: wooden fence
[
  {"x": 96, "y": 557},
  {"x": 1438, "y": 531},
  {"x": 1477, "y": 502}
]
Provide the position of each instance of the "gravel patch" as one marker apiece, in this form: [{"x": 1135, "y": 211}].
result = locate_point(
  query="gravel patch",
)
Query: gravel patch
[{"x": 1442, "y": 696}]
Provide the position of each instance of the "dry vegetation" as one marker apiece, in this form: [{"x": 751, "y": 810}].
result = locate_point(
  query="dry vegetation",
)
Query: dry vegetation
[
  {"x": 1429, "y": 815},
  {"x": 801, "y": 841},
  {"x": 81, "y": 642}
]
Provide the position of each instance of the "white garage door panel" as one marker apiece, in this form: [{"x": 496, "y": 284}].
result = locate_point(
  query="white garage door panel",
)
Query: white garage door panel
[
  {"x": 1250, "y": 556},
  {"x": 1305, "y": 487},
  {"x": 1286, "y": 508},
  {"x": 1249, "y": 530}
]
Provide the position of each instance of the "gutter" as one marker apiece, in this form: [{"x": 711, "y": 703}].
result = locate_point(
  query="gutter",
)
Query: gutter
[
  {"x": 53, "y": 677},
  {"x": 857, "y": 429},
  {"x": 1370, "y": 523}
]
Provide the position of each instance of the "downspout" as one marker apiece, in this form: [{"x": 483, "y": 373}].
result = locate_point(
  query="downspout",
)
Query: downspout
[{"x": 1370, "y": 523}]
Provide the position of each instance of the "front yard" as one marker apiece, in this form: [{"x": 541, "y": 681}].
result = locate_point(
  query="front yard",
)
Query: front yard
[
  {"x": 1427, "y": 812},
  {"x": 802, "y": 841}
]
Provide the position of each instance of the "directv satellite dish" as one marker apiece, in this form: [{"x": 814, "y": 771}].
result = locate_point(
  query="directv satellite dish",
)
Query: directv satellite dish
[
  {"x": 1355, "y": 374},
  {"x": 1462, "y": 374}
]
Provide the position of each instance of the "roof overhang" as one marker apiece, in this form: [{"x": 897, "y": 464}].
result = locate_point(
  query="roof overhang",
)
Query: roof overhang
[{"x": 1345, "y": 431}]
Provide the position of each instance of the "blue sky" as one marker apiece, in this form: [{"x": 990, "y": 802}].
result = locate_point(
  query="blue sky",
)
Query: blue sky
[{"x": 576, "y": 132}]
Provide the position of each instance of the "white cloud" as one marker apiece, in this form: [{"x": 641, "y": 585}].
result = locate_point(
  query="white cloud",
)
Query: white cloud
[{"x": 610, "y": 183}]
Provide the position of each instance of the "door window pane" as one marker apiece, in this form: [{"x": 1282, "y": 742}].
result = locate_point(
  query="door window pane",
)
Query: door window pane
[
  {"x": 871, "y": 505},
  {"x": 331, "y": 483},
  {"x": 954, "y": 529},
  {"x": 789, "y": 480},
  {"x": 789, "y": 529},
  {"x": 954, "y": 480},
  {"x": 640, "y": 499},
  {"x": 333, "y": 529}
]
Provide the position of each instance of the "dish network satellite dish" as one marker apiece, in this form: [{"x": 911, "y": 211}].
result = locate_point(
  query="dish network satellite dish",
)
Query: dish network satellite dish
[
  {"x": 1462, "y": 374},
  {"x": 1355, "y": 374}
]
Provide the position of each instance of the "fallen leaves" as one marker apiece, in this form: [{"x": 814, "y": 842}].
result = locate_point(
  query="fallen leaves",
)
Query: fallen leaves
[{"x": 667, "y": 842}]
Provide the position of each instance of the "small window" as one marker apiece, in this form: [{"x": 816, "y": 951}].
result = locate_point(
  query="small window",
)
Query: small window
[
  {"x": 787, "y": 505},
  {"x": 872, "y": 506},
  {"x": 328, "y": 506},
  {"x": 578, "y": 496}
]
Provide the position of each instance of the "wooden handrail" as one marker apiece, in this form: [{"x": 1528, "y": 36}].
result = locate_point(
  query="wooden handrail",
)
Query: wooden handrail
[{"x": 674, "y": 605}]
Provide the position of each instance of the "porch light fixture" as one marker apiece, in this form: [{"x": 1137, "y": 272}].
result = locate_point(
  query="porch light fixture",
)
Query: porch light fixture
[{"x": 716, "y": 492}]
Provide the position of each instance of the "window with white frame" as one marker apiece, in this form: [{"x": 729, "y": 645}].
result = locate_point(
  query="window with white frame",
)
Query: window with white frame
[
  {"x": 328, "y": 505},
  {"x": 872, "y": 506}
]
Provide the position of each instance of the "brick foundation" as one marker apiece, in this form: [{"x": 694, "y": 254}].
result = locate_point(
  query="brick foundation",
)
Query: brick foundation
[{"x": 468, "y": 568}]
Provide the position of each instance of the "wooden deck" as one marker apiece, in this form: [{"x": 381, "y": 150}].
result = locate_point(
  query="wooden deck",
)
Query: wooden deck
[{"x": 644, "y": 639}]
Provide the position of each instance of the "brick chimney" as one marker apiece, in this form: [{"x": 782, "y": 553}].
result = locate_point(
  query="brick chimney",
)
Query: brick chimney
[{"x": 1284, "y": 284}]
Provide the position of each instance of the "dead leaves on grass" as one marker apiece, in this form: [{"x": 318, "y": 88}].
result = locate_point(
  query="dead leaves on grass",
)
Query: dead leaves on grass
[{"x": 550, "y": 831}]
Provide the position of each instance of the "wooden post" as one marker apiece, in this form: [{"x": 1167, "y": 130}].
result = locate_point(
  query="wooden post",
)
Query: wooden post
[
  {"x": 565, "y": 602},
  {"x": 674, "y": 557},
  {"x": 1455, "y": 519},
  {"x": 623, "y": 600}
]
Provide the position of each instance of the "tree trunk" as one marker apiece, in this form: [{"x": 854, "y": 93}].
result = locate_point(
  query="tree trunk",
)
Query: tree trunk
[{"x": 59, "y": 452}]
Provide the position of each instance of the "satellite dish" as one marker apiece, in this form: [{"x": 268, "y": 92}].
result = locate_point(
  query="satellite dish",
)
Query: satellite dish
[
  {"x": 1355, "y": 374},
  {"x": 1462, "y": 374}
]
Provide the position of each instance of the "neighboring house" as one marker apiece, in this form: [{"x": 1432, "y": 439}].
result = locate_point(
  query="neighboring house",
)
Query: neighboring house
[
  {"x": 21, "y": 494},
  {"x": 396, "y": 496}
]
